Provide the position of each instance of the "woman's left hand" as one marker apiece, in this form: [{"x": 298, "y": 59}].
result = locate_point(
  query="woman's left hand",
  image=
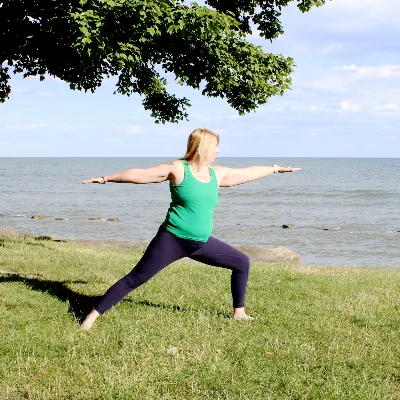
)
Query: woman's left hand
[{"x": 95, "y": 180}]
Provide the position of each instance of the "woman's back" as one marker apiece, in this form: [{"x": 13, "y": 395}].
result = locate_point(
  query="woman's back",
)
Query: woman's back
[{"x": 190, "y": 215}]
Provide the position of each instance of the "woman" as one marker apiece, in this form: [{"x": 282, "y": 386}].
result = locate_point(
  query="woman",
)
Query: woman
[{"x": 186, "y": 231}]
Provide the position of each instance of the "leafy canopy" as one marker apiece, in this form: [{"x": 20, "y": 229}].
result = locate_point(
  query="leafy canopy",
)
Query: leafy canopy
[{"x": 83, "y": 42}]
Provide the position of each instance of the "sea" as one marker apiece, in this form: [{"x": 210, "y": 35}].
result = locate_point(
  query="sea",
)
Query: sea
[{"x": 346, "y": 211}]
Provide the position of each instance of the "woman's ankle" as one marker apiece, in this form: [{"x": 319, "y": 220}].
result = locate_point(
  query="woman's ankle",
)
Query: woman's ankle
[
  {"x": 238, "y": 310},
  {"x": 239, "y": 313},
  {"x": 89, "y": 320}
]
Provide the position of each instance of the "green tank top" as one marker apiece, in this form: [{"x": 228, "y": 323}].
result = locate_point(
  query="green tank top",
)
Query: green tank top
[{"x": 190, "y": 215}]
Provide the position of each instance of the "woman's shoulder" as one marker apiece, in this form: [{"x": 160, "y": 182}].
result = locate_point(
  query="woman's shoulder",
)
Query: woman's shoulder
[
  {"x": 176, "y": 171},
  {"x": 218, "y": 171},
  {"x": 173, "y": 163},
  {"x": 217, "y": 168}
]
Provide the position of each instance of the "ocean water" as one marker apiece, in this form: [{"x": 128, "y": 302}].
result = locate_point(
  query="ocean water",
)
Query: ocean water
[{"x": 358, "y": 200}]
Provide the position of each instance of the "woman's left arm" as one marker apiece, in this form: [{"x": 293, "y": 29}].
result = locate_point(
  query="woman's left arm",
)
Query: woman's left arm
[{"x": 237, "y": 176}]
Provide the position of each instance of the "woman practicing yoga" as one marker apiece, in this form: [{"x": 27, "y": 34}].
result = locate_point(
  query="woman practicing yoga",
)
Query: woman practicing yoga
[{"x": 186, "y": 230}]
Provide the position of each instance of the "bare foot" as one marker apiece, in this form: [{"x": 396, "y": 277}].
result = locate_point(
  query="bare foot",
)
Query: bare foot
[
  {"x": 239, "y": 314},
  {"x": 243, "y": 317},
  {"x": 89, "y": 321}
]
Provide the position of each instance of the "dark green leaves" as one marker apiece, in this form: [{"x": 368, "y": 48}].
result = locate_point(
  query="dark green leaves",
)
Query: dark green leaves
[
  {"x": 83, "y": 42},
  {"x": 264, "y": 14}
]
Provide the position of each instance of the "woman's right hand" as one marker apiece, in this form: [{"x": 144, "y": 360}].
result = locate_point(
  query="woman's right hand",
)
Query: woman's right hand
[
  {"x": 287, "y": 169},
  {"x": 95, "y": 180}
]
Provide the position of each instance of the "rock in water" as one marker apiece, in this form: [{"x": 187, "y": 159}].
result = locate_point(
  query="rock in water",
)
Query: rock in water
[
  {"x": 60, "y": 219},
  {"x": 270, "y": 256},
  {"x": 288, "y": 226},
  {"x": 94, "y": 219},
  {"x": 38, "y": 217},
  {"x": 332, "y": 228},
  {"x": 113, "y": 219},
  {"x": 1, "y": 215}
]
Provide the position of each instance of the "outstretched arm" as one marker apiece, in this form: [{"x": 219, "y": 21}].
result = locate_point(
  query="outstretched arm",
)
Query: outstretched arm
[
  {"x": 159, "y": 173},
  {"x": 237, "y": 176}
]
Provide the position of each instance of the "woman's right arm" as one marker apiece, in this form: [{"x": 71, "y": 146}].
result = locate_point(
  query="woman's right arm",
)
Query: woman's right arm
[{"x": 159, "y": 173}]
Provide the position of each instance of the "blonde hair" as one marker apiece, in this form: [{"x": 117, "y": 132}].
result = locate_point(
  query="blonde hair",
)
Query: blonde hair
[{"x": 198, "y": 145}]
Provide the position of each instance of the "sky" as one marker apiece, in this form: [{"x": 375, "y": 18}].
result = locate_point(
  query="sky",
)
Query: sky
[{"x": 344, "y": 102}]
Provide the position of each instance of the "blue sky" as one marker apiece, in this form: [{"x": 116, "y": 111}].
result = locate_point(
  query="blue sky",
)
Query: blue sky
[{"x": 344, "y": 102}]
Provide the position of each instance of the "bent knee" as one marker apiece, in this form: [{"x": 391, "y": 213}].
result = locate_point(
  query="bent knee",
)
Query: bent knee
[{"x": 245, "y": 262}]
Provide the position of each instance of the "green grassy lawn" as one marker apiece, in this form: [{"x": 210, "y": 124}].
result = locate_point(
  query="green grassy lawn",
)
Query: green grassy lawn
[{"x": 318, "y": 333}]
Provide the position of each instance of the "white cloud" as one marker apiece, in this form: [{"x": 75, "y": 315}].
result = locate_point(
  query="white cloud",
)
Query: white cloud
[
  {"x": 348, "y": 106},
  {"x": 355, "y": 16},
  {"x": 323, "y": 108},
  {"x": 389, "y": 128},
  {"x": 129, "y": 129},
  {"x": 207, "y": 117},
  {"x": 328, "y": 83},
  {"x": 314, "y": 49},
  {"x": 45, "y": 94},
  {"x": 274, "y": 129},
  {"x": 25, "y": 127},
  {"x": 19, "y": 91},
  {"x": 363, "y": 85},
  {"x": 380, "y": 71},
  {"x": 344, "y": 106},
  {"x": 269, "y": 108},
  {"x": 388, "y": 107},
  {"x": 341, "y": 29},
  {"x": 371, "y": 10},
  {"x": 39, "y": 127}
]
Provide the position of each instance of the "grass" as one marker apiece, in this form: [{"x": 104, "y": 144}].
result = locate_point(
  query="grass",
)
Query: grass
[{"x": 318, "y": 333}]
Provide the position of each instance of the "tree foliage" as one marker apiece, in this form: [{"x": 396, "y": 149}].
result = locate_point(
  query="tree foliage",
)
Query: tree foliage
[{"x": 83, "y": 42}]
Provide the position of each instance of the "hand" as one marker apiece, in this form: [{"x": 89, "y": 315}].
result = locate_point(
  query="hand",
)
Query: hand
[
  {"x": 287, "y": 169},
  {"x": 95, "y": 180}
]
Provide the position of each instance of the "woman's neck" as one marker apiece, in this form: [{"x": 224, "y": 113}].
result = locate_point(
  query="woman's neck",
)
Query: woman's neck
[{"x": 196, "y": 166}]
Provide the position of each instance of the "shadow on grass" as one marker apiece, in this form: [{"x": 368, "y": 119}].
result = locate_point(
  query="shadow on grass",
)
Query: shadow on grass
[
  {"x": 79, "y": 304},
  {"x": 176, "y": 308}
]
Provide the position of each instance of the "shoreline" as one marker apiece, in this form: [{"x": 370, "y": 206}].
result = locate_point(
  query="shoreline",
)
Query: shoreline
[
  {"x": 106, "y": 244},
  {"x": 257, "y": 254}
]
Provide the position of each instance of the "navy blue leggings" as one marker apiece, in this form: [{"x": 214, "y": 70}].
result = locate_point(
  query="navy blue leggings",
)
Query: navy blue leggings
[{"x": 164, "y": 249}]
